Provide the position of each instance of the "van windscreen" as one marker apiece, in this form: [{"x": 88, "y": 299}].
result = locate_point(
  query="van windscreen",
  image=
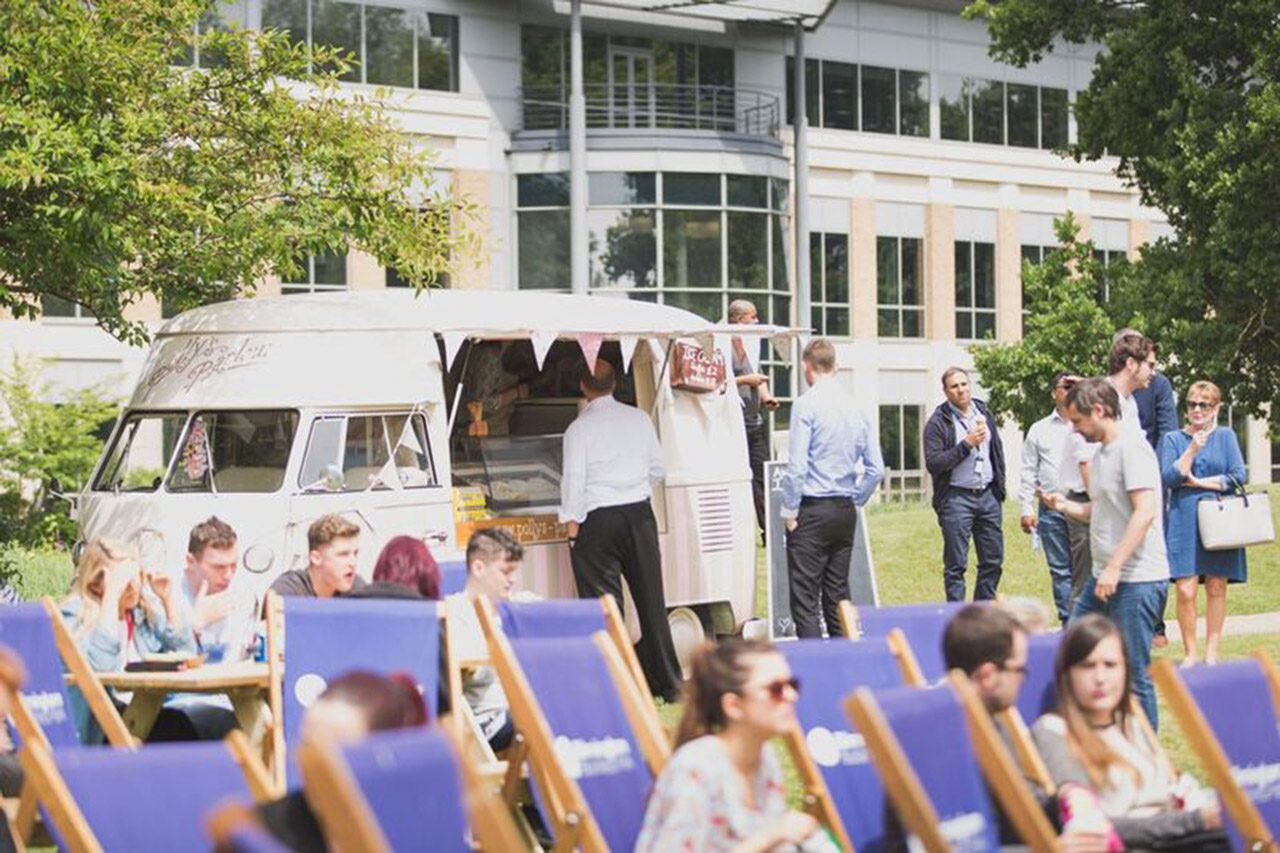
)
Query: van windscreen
[
  {"x": 237, "y": 451},
  {"x": 141, "y": 452}
]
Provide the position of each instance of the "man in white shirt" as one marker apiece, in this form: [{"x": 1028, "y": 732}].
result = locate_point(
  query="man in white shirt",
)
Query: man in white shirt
[
  {"x": 1041, "y": 460},
  {"x": 1126, "y": 528},
  {"x": 1130, "y": 367},
  {"x": 493, "y": 562},
  {"x": 221, "y": 614},
  {"x": 611, "y": 455}
]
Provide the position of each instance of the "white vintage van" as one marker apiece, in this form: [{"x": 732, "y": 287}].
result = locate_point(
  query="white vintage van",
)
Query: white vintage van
[{"x": 387, "y": 407}]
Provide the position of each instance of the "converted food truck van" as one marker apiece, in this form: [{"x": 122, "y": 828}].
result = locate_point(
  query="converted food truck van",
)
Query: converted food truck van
[{"x": 431, "y": 415}]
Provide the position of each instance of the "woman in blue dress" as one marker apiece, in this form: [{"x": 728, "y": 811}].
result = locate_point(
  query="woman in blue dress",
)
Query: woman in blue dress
[{"x": 1197, "y": 462}]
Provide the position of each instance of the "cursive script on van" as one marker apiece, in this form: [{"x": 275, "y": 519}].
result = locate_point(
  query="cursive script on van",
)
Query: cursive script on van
[{"x": 203, "y": 358}]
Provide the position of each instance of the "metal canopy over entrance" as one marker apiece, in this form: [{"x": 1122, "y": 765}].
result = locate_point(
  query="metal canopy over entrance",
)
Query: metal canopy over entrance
[{"x": 808, "y": 13}]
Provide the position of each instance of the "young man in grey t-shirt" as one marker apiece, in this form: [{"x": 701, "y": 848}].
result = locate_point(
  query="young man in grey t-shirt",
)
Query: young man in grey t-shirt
[{"x": 1126, "y": 531}]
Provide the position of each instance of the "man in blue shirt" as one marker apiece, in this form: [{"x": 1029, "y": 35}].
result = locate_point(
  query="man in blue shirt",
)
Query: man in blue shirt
[
  {"x": 823, "y": 489},
  {"x": 965, "y": 457}
]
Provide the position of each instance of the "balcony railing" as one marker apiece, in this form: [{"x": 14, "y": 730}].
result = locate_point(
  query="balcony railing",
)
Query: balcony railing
[{"x": 725, "y": 109}]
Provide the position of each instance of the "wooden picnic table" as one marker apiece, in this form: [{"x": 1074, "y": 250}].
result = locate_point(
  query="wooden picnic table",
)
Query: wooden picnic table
[{"x": 244, "y": 683}]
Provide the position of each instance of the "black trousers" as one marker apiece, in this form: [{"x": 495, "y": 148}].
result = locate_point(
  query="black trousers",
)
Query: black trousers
[
  {"x": 757, "y": 455},
  {"x": 818, "y": 554},
  {"x": 622, "y": 541}
]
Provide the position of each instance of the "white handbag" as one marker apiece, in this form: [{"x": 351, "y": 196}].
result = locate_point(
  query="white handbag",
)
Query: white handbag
[{"x": 1235, "y": 520}]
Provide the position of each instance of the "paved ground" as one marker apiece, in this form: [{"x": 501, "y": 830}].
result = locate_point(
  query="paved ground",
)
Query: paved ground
[{"x": 1253, "y": 623}]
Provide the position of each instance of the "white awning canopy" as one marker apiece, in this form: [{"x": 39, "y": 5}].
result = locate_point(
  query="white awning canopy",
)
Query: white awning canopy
[
  {"x": 469, "y": 313},
  {"x": 810, "y": 13}
]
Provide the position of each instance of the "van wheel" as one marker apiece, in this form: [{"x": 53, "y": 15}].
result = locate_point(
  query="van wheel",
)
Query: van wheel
[{"x": 687, "y": 633}]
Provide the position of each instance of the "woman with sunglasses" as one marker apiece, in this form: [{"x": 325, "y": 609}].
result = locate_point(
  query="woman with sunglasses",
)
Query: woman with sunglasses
[
  {"x": 723, "y": 789},
  {"x": 1197, "y": 462},
  {"x": 1094, "y": 741}
]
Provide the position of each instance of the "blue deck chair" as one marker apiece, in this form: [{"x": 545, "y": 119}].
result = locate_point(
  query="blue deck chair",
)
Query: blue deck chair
[
  {"x": 38, "y": 635},
  {"x": 453, "y": 577},
  {"x": 324, "y": 638},
  {"x": 385, "y": 792},
  {"x": 595, "y": 745},
  {"x": 151, "y": 799},
  {"x": 933, "y": 747},
  {"x": 832, "y": 758},
  {"x": 1228, "y": 713},
  {"x": 921, "y": 626},
  {"x": 573, "y": 617}
]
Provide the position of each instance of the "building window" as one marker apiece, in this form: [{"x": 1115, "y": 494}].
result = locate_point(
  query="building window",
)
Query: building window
[
  {"x": 1107, "y": 258},
  {"x": 391, "y": 46},
  {"x": 1034, "y": 255},
  {"x": 56, "y": 306},
  {"x": 829, "y": 284},
  {"x": 900, "y": 442},
  {"x": 975, "y": 290},
  {"x": 843, "y": 96},
  {"x": 691, "y": 239},
  {"x": 630, "y": 82},
  {"x": 900, "y": 287},
  {"x": 319, "y": 273},
  {"x": 996, "y": 113}
]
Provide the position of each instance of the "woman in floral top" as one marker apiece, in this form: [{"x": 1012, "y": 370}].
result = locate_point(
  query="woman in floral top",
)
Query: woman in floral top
[{"x": 723, "y": 789}]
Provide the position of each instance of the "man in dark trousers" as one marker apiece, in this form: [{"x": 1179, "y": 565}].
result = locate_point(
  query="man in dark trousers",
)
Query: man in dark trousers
[
  {"x": 823, "y": 489},
  {"x": 611, "y": 455},
  {"x": 965, "y": 457},
  {"x": 753, "y": 391}
]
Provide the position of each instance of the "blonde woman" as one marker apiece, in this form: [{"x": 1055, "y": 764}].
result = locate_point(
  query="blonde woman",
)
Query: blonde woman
[
  {"x": 1197, "y": 462},
  {"x": 118, "y": 613}
]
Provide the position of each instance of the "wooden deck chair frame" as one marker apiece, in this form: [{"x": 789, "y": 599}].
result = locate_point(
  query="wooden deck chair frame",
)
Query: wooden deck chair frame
[
  {"x": 572, "y": 823},
  {"x": 64, "y": 812},
  {"x": 104, "y": 711},
  {"x": 1205, "y": 744},
  {"x": 1024, "y": 745},
  {"x": 274, "y": 744},
  {"x": 912, "y": 674},
  {"x": 849, "y": 624},
  {"x": 349, "y": 823},
  {"x": 1002, "y": 773},
  {"x": 901, "y": 784},
  {"x": 817, "y": 798},
  {"x": 84, "y": 678}
]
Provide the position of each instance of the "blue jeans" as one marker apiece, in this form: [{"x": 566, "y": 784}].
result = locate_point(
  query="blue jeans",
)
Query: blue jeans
[
  {"x": 1057, "y": 553},
  {"x": 964, "y": 514},
  {"x": 1135, "y": 608}
]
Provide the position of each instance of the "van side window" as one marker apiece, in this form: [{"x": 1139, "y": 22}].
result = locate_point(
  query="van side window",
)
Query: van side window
[
  {"x": 244, "y": 451},
  {"x": 141, "y": 453},
  {"x": 369, "y": 451}
]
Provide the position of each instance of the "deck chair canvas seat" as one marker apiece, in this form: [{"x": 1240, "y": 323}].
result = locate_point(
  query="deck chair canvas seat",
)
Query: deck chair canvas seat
[
  {"x": 325, "y": 638},
  {"x": 402, "y": 790},
  {"x": 936, "y": 750},
  {"x": 1037, "y": 696},
  {"x": 1228, "y": 712},
  {"x": 829, "y": 753},
  {"x": 453, "y": 577},
  {"x": 151, "y": 799},
  {"x": 922, "y": 625},
  {"x": 38, "y": 636},
  {"x": 594, "y": 744}
]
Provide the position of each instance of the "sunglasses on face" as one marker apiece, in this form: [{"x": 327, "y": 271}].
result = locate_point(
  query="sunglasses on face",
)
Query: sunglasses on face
[
  {"x": 1198, "y": 404},
  {"x": 777, "y": 690},
  {"x": 1016, "y": 670}
]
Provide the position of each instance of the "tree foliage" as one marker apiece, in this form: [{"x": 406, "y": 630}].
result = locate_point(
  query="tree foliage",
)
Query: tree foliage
[
  {"x": 124, "y": 172},
  {"x": 1065, "y": 328},
  {"x": 1186, "y": 93},
  {"x": 41, "y": 440}
]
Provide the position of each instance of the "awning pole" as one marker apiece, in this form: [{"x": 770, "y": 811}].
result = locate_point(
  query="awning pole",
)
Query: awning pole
[
  {"x": 577, "y": 156},
  {"x": 801, "y": 127}
]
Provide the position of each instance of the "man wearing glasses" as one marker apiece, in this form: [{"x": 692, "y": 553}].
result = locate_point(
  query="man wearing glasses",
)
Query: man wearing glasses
[{"x": 1042, "y": 454}]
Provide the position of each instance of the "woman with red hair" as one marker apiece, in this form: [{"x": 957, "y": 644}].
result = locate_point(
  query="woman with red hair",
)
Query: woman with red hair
[{"x": 405, "y": 569}]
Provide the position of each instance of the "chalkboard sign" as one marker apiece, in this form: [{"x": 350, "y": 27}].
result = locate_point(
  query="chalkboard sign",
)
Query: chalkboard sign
[{"x": 862, "y": 574}]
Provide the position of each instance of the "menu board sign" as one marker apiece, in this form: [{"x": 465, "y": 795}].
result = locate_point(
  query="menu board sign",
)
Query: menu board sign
[{"x": 694, "y": 369}]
